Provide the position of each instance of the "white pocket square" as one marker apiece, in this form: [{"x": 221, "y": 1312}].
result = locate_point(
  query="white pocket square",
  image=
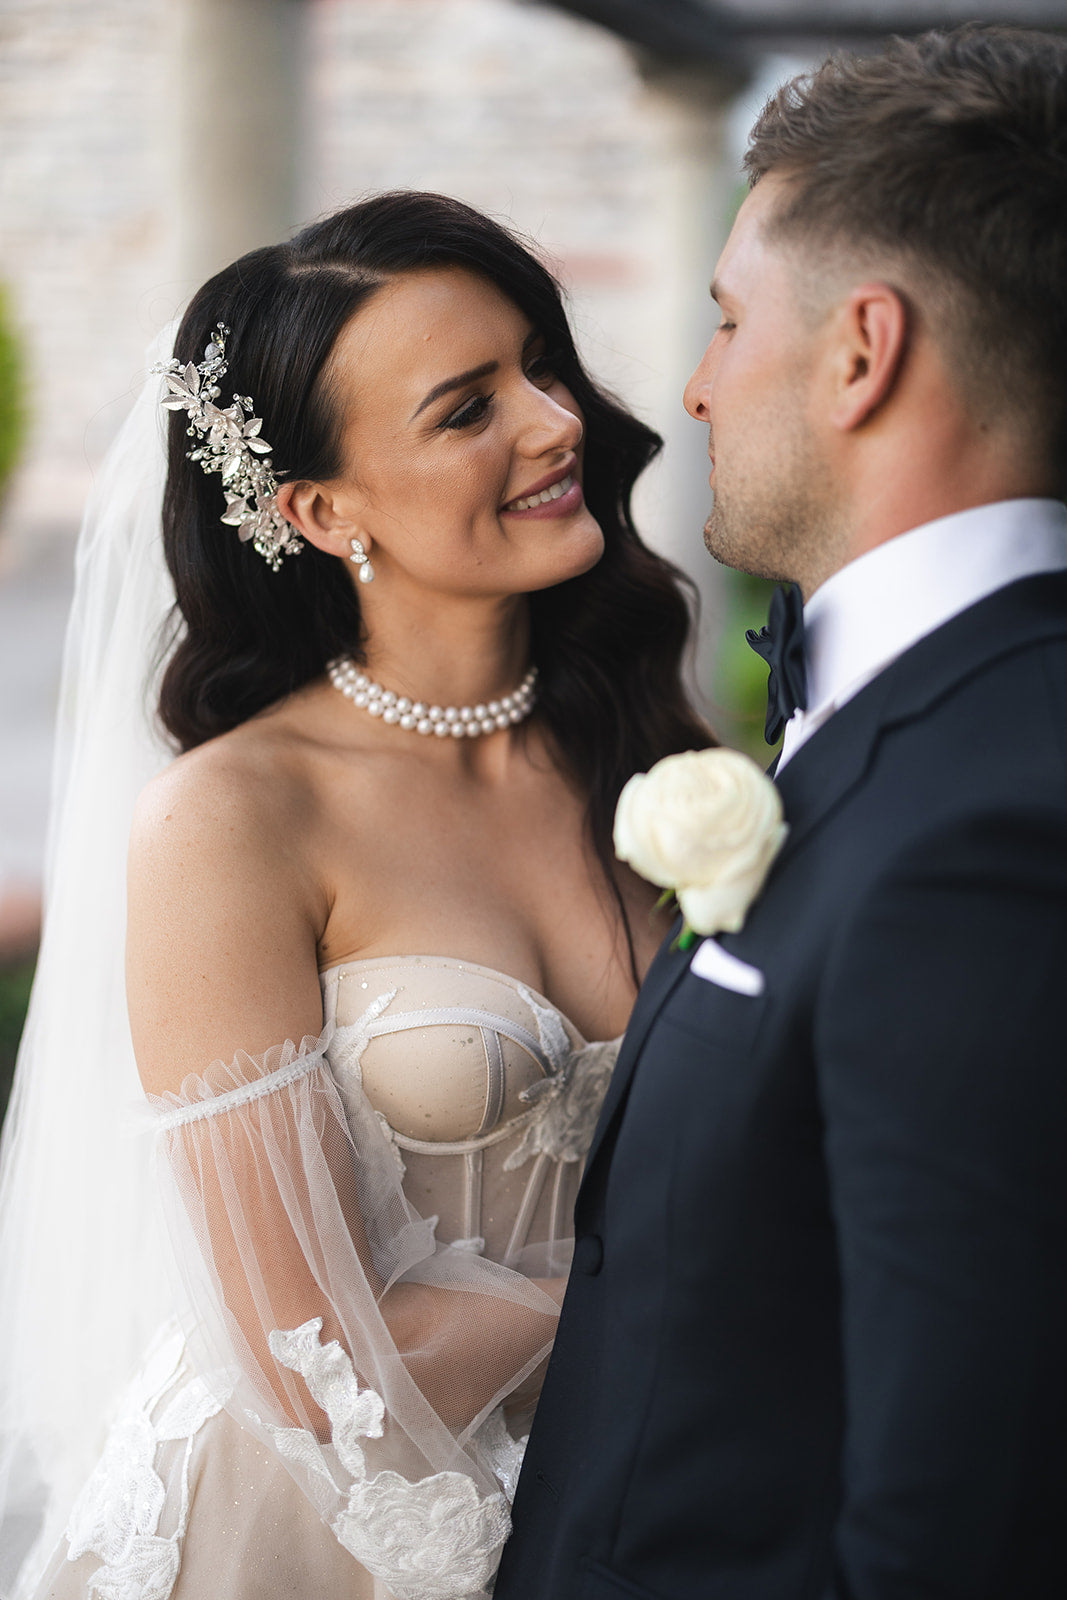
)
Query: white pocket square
[{"x": 717, "y": 965}]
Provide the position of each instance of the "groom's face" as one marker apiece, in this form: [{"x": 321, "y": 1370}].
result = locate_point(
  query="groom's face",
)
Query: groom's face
[{"x": 754, "y": 389}]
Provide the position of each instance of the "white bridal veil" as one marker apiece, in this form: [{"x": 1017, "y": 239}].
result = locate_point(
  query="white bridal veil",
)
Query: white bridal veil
[
  {"x": 79, "y": 1233},
  {"x": 379, "y": 1370}
]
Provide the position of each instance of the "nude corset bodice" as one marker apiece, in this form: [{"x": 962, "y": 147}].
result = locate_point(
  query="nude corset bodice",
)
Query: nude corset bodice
[{"x": 488, "y": 1094}]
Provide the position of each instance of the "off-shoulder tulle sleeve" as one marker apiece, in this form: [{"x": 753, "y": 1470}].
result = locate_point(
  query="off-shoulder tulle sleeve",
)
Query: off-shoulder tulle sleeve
[{"x": 380, "y": 1367}]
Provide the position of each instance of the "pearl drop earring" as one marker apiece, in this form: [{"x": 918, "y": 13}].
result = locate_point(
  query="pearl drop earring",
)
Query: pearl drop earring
[{"x": 362, "y": 560}]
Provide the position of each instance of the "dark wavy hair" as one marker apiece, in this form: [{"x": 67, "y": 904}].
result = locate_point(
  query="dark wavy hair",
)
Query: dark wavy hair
[{"x": 609, "y": 644}]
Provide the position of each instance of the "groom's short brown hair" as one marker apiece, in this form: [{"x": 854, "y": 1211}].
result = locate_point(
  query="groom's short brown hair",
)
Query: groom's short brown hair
[{"x": 947, "y": 156}]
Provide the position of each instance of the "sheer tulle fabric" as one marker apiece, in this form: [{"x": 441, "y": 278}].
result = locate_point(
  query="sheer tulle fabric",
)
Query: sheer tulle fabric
[
  {"x": 83, "y": 1257},
  {"x": 372, "y": 1362}
]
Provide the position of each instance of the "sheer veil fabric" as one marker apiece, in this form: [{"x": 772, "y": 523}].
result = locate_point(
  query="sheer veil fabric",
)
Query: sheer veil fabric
[
  {"x": 257, "y": 1410},
  {"x": 82, "y": 1264}
]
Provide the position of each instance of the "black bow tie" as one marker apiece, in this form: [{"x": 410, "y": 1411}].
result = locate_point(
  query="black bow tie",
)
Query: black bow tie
[{"x": 781, "y": 644}]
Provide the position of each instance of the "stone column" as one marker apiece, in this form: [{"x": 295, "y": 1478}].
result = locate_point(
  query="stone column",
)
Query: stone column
[{"x": 237, "y": 110}]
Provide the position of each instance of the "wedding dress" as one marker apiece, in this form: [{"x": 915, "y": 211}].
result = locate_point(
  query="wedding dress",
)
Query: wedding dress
[
  {"x": 432, "y": 1134},
  {"x": 256, "y": 1429}
]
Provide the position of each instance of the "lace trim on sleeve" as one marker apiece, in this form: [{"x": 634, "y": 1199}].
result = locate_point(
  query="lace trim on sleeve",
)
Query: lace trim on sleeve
[
  {"x": 243, "y": 1095},
  {"x": 436, "y": 1538}
]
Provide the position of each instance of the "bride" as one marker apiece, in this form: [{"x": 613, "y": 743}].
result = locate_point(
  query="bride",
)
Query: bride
[{"x": 379, "y": 953}]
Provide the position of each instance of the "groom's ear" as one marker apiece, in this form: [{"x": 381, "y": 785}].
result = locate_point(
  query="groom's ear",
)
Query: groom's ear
[{"x": 871, "y": 337}]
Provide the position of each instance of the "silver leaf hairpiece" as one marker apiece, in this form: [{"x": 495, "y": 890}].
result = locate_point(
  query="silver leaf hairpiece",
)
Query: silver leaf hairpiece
[{"x": 232, "y": 447}]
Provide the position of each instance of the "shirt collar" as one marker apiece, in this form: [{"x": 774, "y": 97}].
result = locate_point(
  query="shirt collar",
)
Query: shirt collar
[{"x": 877, "y": 606}]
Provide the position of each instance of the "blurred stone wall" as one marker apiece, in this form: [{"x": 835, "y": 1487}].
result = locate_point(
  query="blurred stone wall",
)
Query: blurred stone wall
[
  {"x": 83, "y": 224},
  {"x": 539, "y": 118}
]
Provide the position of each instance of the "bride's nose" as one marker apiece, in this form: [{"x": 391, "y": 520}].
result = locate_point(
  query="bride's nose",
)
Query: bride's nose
[{"x": 550, "y": 424}]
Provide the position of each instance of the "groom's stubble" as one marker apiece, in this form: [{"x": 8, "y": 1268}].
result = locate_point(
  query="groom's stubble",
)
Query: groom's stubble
[{"x": 774, "y": 513}]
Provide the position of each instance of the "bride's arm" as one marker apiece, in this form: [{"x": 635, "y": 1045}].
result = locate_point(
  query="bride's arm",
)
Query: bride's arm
[{"x": 224, "y": 911}]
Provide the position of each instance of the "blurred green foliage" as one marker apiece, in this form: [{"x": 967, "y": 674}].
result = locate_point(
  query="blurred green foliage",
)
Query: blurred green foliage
[
  {"x": 15, "y": 982},
  {"x": 739, "y": 686},
  {"x": 12, "y": 393}
]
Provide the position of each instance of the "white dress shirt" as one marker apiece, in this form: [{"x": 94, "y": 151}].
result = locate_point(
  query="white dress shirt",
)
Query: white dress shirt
[{"x": 863, "y": 617}]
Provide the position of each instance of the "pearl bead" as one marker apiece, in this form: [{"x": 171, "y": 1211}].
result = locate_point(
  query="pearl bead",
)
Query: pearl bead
[{"x": 459, "y": 722}]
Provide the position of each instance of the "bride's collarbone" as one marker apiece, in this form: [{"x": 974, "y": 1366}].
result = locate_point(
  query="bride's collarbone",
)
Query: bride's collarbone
[{"x": 426, "y": 858}]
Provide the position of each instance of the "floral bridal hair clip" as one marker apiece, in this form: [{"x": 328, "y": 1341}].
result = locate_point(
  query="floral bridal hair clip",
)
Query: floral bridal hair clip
[{"x": 231, "y": 446}]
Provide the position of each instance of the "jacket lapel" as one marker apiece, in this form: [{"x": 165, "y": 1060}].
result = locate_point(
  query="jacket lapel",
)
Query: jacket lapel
[
  {"x": 834, "y": 760},
  {"x": 664, "y": 973}
]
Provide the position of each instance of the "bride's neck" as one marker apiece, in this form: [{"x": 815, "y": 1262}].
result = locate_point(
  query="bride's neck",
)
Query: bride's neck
[{"x": 450, "y": 654}]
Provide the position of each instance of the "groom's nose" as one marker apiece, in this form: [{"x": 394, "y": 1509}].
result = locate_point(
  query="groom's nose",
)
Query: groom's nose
[{"x": 698, "y": 390}]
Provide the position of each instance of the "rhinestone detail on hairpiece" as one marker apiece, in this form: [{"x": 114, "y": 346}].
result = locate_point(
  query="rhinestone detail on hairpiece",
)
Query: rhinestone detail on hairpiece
[
  {"x": 231, "y": 446},
  {"x": 457, "y": 722}
]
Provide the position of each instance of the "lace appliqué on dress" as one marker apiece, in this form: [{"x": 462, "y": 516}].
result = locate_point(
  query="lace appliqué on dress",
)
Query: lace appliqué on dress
[
  {"x": 117, "y": 1514},
  {"x": 435, "y": 1539},
  {"x": 569, "y": 1103}
]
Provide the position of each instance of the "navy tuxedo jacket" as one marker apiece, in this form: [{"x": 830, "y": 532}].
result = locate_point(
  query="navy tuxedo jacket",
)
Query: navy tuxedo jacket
[{"x": 814, "y": 1346}]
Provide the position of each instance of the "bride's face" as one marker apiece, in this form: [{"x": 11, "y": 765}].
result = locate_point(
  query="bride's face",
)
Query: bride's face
[{"x": 454, "y": 422}]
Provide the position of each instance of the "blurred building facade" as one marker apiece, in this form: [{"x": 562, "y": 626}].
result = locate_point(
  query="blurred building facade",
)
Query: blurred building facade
[{"x": 144, "y": 143}]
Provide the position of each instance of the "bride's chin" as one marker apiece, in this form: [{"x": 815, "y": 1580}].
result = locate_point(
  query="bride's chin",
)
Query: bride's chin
[{"x": 577, "y": 555}]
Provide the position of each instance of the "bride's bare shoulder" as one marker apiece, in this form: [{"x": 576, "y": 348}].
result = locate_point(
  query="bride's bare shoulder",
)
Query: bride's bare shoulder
[
  {"x": 251, "y": 777},
  {"x": 224, "y": 908}
]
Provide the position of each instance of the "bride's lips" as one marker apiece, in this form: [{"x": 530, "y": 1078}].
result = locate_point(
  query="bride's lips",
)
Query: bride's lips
[{"x": 558, "y": 494}]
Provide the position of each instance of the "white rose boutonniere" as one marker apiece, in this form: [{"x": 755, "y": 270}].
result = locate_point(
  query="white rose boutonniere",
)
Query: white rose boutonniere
[{"x": 704, "y": 825}]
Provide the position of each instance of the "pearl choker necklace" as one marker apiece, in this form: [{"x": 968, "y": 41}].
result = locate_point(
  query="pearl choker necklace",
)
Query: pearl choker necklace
[{"x": 457, "y": 722}]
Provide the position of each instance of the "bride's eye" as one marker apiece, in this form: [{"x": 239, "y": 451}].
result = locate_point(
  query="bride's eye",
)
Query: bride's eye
[
  {"x": 541, "y": 369},
  {"x": 475, "y": 410}
]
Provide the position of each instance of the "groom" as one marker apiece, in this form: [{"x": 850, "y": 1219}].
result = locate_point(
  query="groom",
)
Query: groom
[{"x": 815, "y": 1342}]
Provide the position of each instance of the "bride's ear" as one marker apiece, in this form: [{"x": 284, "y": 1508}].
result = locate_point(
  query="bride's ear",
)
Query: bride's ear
[{"x": 322, "y": 517}]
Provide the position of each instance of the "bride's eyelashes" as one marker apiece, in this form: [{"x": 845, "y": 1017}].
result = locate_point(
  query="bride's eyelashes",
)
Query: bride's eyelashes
[
  {"x": 476, "y": 409},
  {"x": 540, "y": 371}
]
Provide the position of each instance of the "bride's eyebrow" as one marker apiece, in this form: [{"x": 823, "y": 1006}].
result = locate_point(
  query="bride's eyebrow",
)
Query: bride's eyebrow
[{"x": 486, "y": 370}]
